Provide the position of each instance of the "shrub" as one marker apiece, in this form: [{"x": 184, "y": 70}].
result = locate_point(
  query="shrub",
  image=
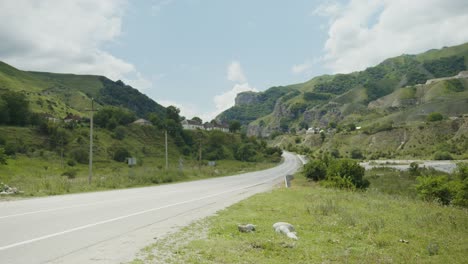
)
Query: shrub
[
  {"x": 315, "y": 170},
  {"x": 434, "y": 116},
  {"x": 335, "y": 153},
  {"x": 356, "y": 154},
  {"x": 339, "y": 182},
  {"x": 71, "y": 162},
  {"x": 462, "y": 171},
  {"x": 120, "y": 132},
  {"x": 246, "y": 152},
  {"x": 345, "y": 168},
  {"x": 378, "y": 127},
  {"x": 71, "y": 174},
  {"x": 443, "y": 189},
  {"x": 80, "y": 155},
  {"x": 460, "y": 196},
  {"x": 434, "y": 188},
  {"x": 10, "y": 149},
  {"x": 442, "y": 155},
  {"x": 3, "y": 156},
  {"x": 121, "y": 154},
  {"x": 414, "y": 169}
]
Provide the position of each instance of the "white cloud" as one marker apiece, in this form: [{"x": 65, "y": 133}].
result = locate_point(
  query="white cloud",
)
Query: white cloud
[
  {"x": 137, "y": 80},
  {"x": 190, "y": 110},
  {"x": 64, "y": 36},
  {"x": 186, "y": 110},
  {"x": 330, "y": 9},
  {"x": 159, "y": 5},
  {"x": 362, "y": 33},
  {"x": 235, "y": 73},
  {"x": 221, "y": 101},
  {"x": 301, "y": 68},
  {"x": 226, "y": 100}
]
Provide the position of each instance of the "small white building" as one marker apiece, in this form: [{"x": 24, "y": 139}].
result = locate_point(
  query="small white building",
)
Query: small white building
[{"x": 191, "y": 125}]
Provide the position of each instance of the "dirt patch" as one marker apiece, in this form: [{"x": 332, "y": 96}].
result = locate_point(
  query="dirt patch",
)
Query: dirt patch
[{"x": 168, "y": 249}]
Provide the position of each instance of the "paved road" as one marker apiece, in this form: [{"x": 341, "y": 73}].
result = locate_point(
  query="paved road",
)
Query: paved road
[{"x": 111, "y": 226}]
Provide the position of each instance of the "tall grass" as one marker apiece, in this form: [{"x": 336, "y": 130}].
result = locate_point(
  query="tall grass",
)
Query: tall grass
[
  {"x": 38, "y": 177},
  {"x": 333, "y": 226}
]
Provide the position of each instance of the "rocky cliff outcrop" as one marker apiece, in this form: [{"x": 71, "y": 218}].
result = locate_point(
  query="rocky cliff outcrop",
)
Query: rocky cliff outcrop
[
  {"x": 260, "y": 131},
  {"x": 246, "y": 98}
]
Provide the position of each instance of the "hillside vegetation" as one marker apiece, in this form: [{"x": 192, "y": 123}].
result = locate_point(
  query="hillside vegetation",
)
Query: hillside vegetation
[
  {"x": 392, "y": 105},
  {"x": 45, "y": 137},
  {"x": 58, "y": 94}
]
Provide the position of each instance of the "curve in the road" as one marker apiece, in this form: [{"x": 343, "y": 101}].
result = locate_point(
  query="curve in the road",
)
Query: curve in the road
[{"x": 80, "y": 227}]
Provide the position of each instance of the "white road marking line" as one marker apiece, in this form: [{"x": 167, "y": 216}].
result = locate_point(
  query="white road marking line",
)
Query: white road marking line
[
  {"x": 73, "y": 206},
  {"x": 122, "y": 217}
]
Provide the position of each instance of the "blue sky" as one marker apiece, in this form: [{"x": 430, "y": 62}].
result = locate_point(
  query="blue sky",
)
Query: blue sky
[
  {"x": 198, "y": 54},
  {"x": 188, "y": 46}
]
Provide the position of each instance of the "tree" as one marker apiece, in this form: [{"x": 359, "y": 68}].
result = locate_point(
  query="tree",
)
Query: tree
[
  {"x": 156, "y": 120},
  {"x": 315, "y": 170},
  {"x": 234, "y": 126},
  {"x": 119, "y": 132},
  {"x": 111, "y": 117},
  {"x": 246, "y": 152},
  {"x": 17, "y": 108},
  {"x": 4, "y": 112},
  {"x": 172, "y": 113},
  {"x": 197, "y": 119}
]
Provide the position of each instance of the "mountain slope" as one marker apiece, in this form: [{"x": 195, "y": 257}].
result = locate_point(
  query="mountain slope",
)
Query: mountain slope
[
  {"x": 59, "y": 94},
  {"x": 354, "y": 97}
]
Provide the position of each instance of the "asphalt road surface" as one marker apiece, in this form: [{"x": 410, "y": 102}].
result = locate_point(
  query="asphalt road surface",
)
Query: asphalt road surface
[{"x": 112, "y": 226}]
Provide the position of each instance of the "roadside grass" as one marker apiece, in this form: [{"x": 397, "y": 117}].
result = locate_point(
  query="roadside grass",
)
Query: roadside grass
[
  {"x": 42, "y": 176},
  {"x": 333, "y": 226},
  {"x": 37, "y": 169},
  {"x": 392, "y": 181}
]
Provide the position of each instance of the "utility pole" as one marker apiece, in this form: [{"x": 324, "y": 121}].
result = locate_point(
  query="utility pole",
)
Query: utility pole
[
  {"x": 165, "y": 135},
  {"x": 90, "y": 177},
  {"x": 199, "y": 154}
]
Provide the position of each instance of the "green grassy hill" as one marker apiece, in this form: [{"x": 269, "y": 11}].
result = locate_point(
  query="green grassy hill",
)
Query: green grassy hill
[
  {"x": 42, "y": 153},
  {"x": 391, "y": 103},
  {"x": 394, "y": 89},
  {"x": 58, "y": 94}
]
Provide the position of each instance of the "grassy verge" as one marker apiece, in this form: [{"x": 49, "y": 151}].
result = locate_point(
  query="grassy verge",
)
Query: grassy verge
[
  {"x": 333, "y": 226},
  {"x": 40, "y": 176}
]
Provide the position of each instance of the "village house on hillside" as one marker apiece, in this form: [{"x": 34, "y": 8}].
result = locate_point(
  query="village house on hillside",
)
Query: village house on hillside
[
  {"x": 210, "y": 126},
  {"x": 192, "y": 125}
]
